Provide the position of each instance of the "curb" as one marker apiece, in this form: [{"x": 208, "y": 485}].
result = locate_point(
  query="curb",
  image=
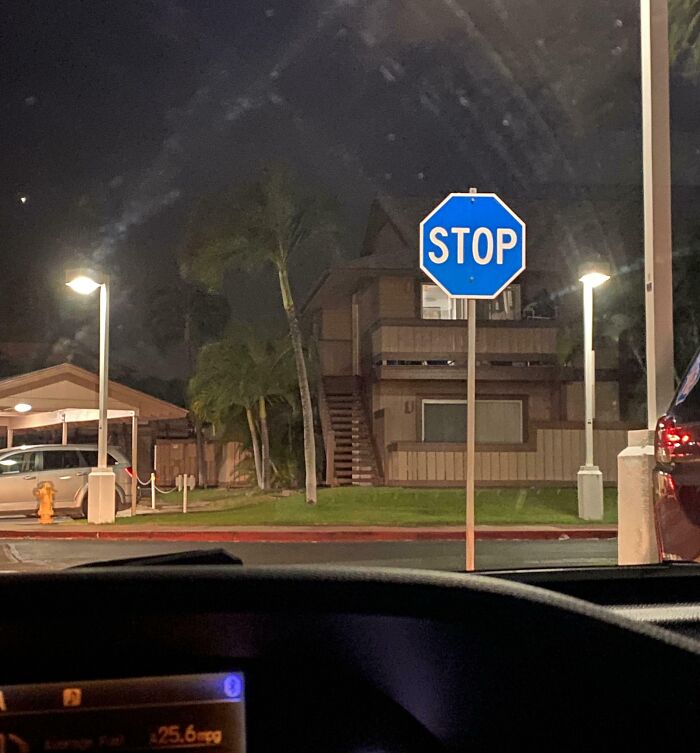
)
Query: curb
[{"x": 320, "y": 536}]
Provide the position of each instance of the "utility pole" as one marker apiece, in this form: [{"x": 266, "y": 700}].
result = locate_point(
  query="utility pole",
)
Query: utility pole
[
  {"x": 636, "y": 524},
  {"x": 656, "y": 141}
]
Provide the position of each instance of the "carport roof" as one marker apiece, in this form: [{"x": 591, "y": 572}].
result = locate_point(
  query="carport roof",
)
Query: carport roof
[{"x": 69, "y": 387}]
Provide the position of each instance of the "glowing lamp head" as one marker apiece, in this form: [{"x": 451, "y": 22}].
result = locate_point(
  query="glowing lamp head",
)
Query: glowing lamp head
[
  {"x": 23, "y": 407},
  {"x": 593, "y": 279},
  {"x": 85, "y": 280},
  {"x": 83, "y": 284},
  {"x": 593, "y": 274}
]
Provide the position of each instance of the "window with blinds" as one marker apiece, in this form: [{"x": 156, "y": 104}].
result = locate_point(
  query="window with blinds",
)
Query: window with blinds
[{"x": 497, "y": 421}]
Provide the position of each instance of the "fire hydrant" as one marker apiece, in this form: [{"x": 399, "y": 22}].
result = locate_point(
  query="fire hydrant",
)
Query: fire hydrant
[{"x": 45, "y": 492}]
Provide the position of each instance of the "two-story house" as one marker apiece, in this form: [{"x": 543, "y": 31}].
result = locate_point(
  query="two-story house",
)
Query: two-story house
[{"x": 391, "y": 347}]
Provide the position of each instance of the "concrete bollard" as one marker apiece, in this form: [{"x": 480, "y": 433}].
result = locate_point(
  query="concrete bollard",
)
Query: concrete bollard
[{"x": 636, "y": 532}]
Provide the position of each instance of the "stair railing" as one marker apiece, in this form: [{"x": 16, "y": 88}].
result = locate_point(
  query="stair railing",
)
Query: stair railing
[{"x": 367, "y": 417}]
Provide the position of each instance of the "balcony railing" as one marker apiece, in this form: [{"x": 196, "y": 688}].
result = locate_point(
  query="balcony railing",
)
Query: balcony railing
[{"x": 421, "y": 340}]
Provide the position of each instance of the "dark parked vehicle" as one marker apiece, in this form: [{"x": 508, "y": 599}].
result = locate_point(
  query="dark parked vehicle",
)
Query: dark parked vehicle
[{"x": 677, "y": 472}]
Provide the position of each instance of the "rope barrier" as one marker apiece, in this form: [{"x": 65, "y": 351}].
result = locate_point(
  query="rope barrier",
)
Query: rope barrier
[
  {"x": 152, "y": 484},
  {"x": 163, "y": 491},
  {"x": 148, "y": 484}
]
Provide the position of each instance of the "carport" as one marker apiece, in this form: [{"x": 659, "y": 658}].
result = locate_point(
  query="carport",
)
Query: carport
[{"x": 65, "y": 395}]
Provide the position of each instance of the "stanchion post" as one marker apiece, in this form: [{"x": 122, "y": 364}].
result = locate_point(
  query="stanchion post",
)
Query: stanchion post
[{"x": 185, "y": 478}]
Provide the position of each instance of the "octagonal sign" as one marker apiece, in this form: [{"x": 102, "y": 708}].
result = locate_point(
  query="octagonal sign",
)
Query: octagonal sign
[{"x": 472, "y": 245}]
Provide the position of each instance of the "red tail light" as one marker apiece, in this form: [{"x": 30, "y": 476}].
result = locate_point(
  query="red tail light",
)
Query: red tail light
[
  {"x": 671, "y": 441},
  {"x": 130, "y": 471}
]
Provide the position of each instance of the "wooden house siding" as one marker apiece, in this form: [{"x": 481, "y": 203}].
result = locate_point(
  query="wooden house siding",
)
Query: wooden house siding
[{"x": 553, "y": 456}]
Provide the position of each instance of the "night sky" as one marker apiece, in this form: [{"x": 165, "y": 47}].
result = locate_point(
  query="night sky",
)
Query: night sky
[{"x": 115, "y": 117}]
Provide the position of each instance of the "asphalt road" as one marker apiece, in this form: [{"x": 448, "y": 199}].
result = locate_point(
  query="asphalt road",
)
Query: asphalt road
[{"x": 27, "y": 555}]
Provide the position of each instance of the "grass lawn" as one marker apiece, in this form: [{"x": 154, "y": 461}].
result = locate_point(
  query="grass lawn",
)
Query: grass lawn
[{"x": 378, "y": 506}]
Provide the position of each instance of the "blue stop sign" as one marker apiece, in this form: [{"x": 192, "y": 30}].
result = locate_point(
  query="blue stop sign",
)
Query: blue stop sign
[{"x": 472, "y": 245}]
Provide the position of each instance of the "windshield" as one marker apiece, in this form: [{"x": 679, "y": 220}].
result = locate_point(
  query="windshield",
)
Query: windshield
[{"x": 254, "y": 252}]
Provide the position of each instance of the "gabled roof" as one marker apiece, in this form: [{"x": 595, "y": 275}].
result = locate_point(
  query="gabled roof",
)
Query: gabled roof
[
  {"x": 566, "y": 224},
  {"x": 68, "y": 386},
  {"x": 404, "y": 213}
]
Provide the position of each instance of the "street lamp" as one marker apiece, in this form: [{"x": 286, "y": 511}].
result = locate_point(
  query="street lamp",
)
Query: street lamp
[
  {"x": 101, "y": 481},
  {"x": 590, "y": 479}
]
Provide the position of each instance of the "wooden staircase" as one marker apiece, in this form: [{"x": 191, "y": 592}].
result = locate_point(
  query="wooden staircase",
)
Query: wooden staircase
[{"x": 354, "y": 460}]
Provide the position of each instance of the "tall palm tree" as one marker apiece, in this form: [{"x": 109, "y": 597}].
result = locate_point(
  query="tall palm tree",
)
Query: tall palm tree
[
  {"x": 270, "y": 222},
  {"x": 268, "y": 370}
]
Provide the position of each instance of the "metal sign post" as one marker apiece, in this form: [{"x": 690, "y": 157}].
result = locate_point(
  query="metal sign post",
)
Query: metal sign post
[
  {"x": 472, "y": 246},
  {"x": 471, "y": 434}
]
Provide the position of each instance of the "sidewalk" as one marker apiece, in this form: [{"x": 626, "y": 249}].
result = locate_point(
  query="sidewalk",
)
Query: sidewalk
[{"x": 31, "y": 529}]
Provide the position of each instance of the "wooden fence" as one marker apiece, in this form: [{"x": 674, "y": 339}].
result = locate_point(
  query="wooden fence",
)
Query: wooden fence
[
  {"x": 552, "y": 457},
  {"x": 223, "y": 461}
]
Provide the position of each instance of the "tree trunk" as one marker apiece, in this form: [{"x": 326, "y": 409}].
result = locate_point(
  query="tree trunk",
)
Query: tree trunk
[
  {"x": 265, "y": 444},
  {"x": 201, "y": 460},
  {"x": 192, "y": 364},
  {"x": 256, "y": 445},
  {"x": 304, "y": 391}
]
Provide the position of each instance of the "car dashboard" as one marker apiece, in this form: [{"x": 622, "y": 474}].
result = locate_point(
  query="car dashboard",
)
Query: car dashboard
[{"x": 322, "y": 659}]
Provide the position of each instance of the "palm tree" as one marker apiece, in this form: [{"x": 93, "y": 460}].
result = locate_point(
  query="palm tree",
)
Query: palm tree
[
  {"x": 242, "y": 371},
  {"x": 270, "y": 221},
  {"x": 268, "y": 370},
  {"x": 220, "y": 387}
]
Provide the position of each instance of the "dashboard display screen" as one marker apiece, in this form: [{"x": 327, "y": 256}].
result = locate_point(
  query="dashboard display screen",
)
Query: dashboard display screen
[{"x": 192, "y": 712}]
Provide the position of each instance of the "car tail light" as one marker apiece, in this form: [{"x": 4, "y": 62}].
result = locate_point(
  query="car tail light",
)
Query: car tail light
[{"x": 671, "y": 441}]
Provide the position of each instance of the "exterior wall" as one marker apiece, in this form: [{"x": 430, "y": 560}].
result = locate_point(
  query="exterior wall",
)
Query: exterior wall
[
  {"x": 607, "y": 401},
  {"x": 552, "y": 457},
  {"x": 368, "y": 305},
  {"x": 335, "y": 346},
  {"x": 401, "y": 402},
  {"x": 335, "y": 322},
  {"x": 552, "y": 450},
  {"x": 397, "y": 298}
]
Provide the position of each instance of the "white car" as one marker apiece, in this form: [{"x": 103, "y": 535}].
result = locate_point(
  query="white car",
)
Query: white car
[{"x": 67, "y": 467}]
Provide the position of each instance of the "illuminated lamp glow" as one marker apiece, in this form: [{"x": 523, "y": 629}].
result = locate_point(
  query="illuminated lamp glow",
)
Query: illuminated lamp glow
[{"x": 83, "y": 285}]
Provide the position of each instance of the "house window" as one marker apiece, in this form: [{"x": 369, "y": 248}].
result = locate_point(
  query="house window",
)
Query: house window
[
  {"x": 507, "y": 306},
  {"x": 436, "y": 304},
  {"x": 497, "y": 421}
]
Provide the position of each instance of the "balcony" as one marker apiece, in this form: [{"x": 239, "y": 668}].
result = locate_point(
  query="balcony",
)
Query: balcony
[{"x": 426, "y": 349}]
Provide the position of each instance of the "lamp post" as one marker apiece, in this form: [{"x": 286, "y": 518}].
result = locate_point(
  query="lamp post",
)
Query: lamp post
[
  {"x": 590, "y": 479},
  {"x": 101, "y": 481}
]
